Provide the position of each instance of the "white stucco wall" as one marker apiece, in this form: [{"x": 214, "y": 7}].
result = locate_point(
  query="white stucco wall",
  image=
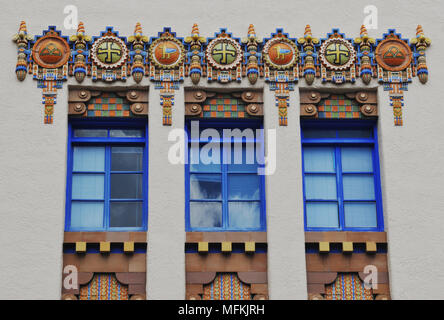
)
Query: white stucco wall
[{"x": 33, "y": 155}]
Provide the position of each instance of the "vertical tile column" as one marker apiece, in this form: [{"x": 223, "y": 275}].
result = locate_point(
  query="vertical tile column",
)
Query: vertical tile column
[
  {"x": 166, "y": 209},
  {"x": 284, "y": 200}
]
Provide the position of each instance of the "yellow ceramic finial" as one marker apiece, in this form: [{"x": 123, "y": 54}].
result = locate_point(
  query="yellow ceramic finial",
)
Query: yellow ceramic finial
[
  {"x": 364, "y": 31},
  {"x": 307, "y": 31},
  {"x": 251, "y": 31},
  {"x": 23, "y": 27},
  {"x": 80, "y": 28},
  {"x": 138, "y": 29},
  {"x": 419, "y": 31}
]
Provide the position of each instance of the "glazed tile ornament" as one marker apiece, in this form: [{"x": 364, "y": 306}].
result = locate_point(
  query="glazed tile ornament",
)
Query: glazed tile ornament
[
  {"x": 224, "y": 56},
  {"x": 281, "y": 69},
  {"x": 337, "y": 57},
  {"x": 109, "y": 55},
  {"x": 166, "y": 60},
  {"x": 167, "y": 69}
]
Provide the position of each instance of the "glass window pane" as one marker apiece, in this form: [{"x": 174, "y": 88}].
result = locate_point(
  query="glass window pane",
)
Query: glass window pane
[
  {"x": 360, "y": 215},
  {"x": 319, "y": 159},
  {"x": 125, "y": 214},
  {"x": 126, "y": 186},
  {"x": 357, "y": 159},
  {"x": 244, "y": 215},
  {"x": 90, "y": 133},
  {"x": 360, "y": 133},
  {"x": 205, "y": 214},
  {"x": 88, "y": 186},
  {"x": 322, "y": 215},
  {"x": 243, "y": 187},
  {"x": 318, "y": 133},
  {"x": 86, "y": 215},
  {"x": 126, "y": 133},
  {"x": 205, "y": 186},
  {"x": 212, "y": 160},
  {"x": 358, "y": 187},
  {"x": 320, "y": 186},
  {"x": 243, "y": 158},
  {"x": 126, "y": 158},
  {"x": 89, "y": 159}
]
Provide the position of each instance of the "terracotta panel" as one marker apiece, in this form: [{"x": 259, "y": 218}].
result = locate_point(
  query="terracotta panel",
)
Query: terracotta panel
[
  {"x": 321, "y": 277},
  {"x": 253, "y": 277},
  {"x": 360, "y": 237},
  {"x": 115, "y": 262},
  {"x": 136, "y": 289},
  {"x": 344, "y": 263},
  {"x": 383, "y": 288},
  {"x": 96, "y": 237},
  {"x": 383, "y": 277},
  {"x": 194, "y": 289},
  {"x": 200, "y": 277},
  {"x": 131, "y": 277},
  {"x": 309, "y": 97},
  {"x": 137, "y": 263},
  {"x": 192, "y": 237},
  {"x": 316, "y": 288},
  {"x": 225, "y": 263},
  {"x": 259, "y": 288}
]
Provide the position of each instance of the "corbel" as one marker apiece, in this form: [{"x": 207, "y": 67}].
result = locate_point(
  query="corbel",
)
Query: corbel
[
  {"x": 368, "y": 101},
  {"x": 309, "y": 101},
  {"x": 77, "y": 100},
  {"x": 138, "y": 100},
  {"x": 254, "y": 101},
  {"x": 194, "y": 100}
]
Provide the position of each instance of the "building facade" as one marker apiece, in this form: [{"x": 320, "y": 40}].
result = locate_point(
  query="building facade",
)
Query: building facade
[{"x": 182, "y": 151}]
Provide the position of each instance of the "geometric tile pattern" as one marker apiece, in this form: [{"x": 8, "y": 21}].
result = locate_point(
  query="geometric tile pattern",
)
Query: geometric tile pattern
[
  {"x": 347, "y": 286},
  {"x": 224, "y": 105},
  {"x": 339, "y": 107},
  {"x": 104, "y": 286},
  {"x": 226, "y": 286},
  {"x": 108, "y": 105}
]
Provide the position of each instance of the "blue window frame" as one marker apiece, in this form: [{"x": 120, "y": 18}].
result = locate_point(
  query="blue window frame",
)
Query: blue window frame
[
  {"x": 341, "y": 176},
  {"x": 107, "y": 182},
  {"x": 228, "y": 195}
]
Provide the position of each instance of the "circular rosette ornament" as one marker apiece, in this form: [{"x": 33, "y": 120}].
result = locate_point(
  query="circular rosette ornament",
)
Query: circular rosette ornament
[
  {"x": 51, "y": 51},
  {"x": 337, "y": 54},
  {"x": 281, "y": 53},
  {"x": 224, "y": 53},
  {"x": 393, "y": 54},
  {"x": 167, "y": 53},
  {"x": 109, "y": 52}
]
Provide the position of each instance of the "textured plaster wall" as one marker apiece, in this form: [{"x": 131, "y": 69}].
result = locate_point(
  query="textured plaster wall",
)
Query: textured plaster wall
[{"x": 33, "y": 155}]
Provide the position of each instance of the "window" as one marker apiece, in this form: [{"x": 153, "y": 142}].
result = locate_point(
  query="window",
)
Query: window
[
  {"x": 341, "y": 177},
  {"x": 107, "y": 177},
  {"x": 224, "y": 192}
]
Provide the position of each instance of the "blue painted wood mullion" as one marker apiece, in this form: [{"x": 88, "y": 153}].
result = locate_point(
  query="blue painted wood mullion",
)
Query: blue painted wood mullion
[
  {"x": 106, "y": 217},
  {"x": 340, "y": 190},
  {"x": 225, "y": 218}
]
